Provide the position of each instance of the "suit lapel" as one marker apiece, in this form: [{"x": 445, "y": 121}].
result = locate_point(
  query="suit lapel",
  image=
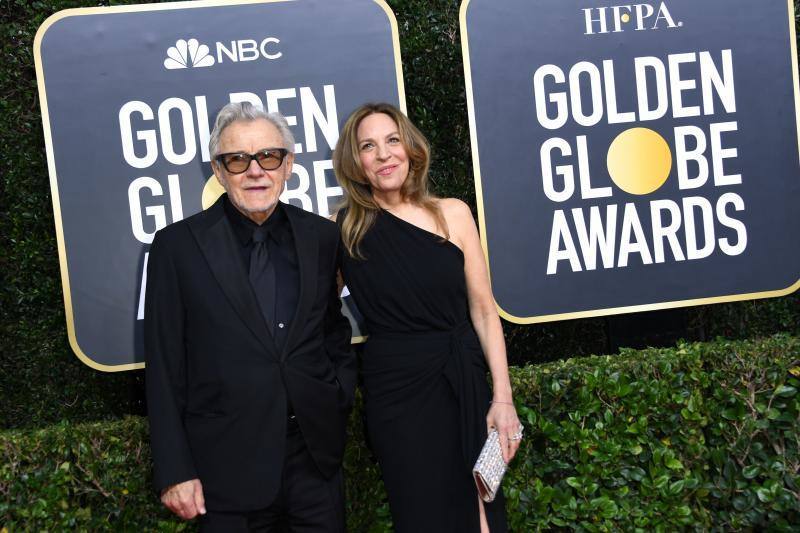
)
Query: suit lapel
[
  {"x": 306, "y": 246},
  {"x": 218, "y": 244}
]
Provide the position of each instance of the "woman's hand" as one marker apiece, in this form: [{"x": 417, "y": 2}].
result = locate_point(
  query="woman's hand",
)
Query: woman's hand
[{"x": 503, "y": 417}]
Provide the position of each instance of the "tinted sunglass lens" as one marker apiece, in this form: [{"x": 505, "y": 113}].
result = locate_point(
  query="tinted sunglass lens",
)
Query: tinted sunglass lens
[
  {"x": 240, "y": 162},
  {"x": 237, "y": 162},
  {"x": 269, "y": 159}
]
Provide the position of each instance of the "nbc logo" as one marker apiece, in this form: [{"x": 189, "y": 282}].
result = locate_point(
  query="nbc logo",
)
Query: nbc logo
[{"x": 186, "y": 54}]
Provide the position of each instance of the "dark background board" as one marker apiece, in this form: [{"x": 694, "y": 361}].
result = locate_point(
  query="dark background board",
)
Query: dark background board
[
  {"x": 509, "y": 40},
  {"x": 93, "y": 62}
]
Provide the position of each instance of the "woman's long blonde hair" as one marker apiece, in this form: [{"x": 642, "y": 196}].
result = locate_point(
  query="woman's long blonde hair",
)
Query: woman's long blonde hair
[{"x": 361, "y": 206}]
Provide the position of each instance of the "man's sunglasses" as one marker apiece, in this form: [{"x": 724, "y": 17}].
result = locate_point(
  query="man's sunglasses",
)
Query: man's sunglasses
[{"x": 238, "y": 162}]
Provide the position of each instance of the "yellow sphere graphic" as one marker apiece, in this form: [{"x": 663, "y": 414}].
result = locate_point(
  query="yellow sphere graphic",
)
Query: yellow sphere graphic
[
  {"x": 211, "y": 192},
  {"x": 639, "y": 161},
  {"x": 625, "y": 17}
]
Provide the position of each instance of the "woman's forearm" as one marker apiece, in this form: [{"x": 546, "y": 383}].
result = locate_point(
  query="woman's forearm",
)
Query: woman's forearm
[{"x": 490, "y": 333}]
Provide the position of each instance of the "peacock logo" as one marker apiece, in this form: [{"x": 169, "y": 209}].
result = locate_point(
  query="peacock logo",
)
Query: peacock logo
[{"x": 188, "y": 54}]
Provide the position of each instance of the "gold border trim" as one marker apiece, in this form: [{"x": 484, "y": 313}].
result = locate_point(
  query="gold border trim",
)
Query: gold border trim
[
  {"x": 648, "y": 307},
  {"x": 793, "y": 44},
  {"x": 473, "y": 132},
  {"x": 48, "y": 139},
  {"x": 398, "y": 61},
  {"x": 609, "y": 310}
]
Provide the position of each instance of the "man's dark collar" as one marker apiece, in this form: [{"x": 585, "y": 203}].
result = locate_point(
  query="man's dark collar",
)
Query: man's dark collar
[{"x": 244, "y": 227}]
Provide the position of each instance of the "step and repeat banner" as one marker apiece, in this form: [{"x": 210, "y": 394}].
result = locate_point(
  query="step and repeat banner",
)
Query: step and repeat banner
[
  {"x": 129, "y": 96},
  {"x": 633, "y": 157}
]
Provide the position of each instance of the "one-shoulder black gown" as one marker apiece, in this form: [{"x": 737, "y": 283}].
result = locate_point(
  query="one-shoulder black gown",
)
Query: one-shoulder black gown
[{"x": 424, "y": 376}]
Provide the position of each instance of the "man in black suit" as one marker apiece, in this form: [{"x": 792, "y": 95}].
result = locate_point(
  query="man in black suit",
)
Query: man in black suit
[{"x": 249, "y": 371}]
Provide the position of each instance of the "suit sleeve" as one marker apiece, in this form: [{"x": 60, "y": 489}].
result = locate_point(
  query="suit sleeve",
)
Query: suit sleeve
[
  {"x": 165, "y": 368},
  {"x": 338, "y": 335}
]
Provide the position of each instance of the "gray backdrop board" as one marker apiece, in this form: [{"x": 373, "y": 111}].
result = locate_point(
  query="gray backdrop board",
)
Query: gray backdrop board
[
  {"x": 129, "y": 95},
  {"x": 633, "y": 157}
]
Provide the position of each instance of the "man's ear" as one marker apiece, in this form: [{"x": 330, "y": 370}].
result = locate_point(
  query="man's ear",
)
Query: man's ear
[{"x": 289, "y": 162}]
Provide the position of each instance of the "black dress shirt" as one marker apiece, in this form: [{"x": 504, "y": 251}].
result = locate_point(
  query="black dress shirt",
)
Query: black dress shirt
[{"x": 283, "y": 255}]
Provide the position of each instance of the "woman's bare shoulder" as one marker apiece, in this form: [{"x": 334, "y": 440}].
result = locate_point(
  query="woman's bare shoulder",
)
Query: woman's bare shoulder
[{"x": 454, "y": 209}]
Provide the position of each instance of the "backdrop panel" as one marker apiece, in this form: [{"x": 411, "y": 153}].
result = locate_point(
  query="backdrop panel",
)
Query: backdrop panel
[
  {"x": 633, "y": 157},
  {"x": 128, "y": 98}
]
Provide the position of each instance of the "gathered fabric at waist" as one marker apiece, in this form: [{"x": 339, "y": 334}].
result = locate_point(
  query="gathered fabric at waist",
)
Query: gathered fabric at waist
[
  {"x": 400, "y": 368},
  {"x": 398, "y": 342}
]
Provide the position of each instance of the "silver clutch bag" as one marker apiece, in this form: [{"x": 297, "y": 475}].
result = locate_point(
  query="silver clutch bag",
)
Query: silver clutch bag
[{"x": 490, "y": 468}]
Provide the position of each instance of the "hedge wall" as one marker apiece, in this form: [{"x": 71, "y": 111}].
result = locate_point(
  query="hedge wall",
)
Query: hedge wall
[
  {"x": 42, "y": 382},
  {"x": 703, "y": 436}
]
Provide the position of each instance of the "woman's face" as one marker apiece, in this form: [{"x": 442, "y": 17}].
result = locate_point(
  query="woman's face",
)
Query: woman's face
[{"x": 382, "y": 154}]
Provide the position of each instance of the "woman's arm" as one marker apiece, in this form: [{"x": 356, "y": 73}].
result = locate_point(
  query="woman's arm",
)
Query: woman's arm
[{"x": 483, "y": 314}]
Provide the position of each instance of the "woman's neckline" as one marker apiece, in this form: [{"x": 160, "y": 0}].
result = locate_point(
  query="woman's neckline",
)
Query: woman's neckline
[{"x": 438, "y": 237}]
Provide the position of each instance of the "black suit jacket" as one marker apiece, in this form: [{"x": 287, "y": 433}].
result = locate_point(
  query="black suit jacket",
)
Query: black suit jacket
[{"x": 216, "y": 383}]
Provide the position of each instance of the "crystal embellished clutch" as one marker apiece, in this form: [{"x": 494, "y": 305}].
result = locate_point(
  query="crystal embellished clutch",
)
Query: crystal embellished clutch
[{"x": 490, "y": 468}]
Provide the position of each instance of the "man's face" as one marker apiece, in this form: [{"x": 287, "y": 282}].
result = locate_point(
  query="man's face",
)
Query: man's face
[{"x": 255, "y": 191}]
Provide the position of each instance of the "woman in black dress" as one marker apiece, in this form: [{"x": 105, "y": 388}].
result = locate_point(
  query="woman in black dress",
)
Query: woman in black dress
[{"x": 416, "y": 270}]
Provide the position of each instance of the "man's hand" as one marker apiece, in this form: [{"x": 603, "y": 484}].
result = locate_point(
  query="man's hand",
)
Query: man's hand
[{"x": 185, "y": 499}]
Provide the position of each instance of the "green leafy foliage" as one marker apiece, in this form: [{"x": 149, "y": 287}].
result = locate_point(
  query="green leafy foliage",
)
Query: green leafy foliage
[
  {"x": 703, "y": 436},
  {"x": 88, "y": 477}
]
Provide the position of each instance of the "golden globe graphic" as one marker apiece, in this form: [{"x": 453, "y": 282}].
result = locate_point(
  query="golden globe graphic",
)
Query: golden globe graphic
[
  {"x": 211, "y": 192},
  {"x": 649, "y": 151},
  {"x": 639, "y": 161}
]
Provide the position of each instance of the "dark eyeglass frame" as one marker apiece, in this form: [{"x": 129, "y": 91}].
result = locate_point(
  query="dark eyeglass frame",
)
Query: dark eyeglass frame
[{"x": 270, "y": 157}]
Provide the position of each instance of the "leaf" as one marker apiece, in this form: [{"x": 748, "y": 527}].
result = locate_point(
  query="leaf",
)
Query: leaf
[
  {"x": 749, "y": 472},
  {"x": 608, "y": 509},
  {"x": 731, "y": 414},
  {"x": 785, "y": 391},
  {"x": 661, "y": 481},
  {"x": 740, "y": 503},
  {"x": 764, "y": 494},
  {"x": 673, "y": 464},
  {"x": 573, "y": 504},
  {"x": 677, "y": 486},
  {"x": 636, "y": 473}
]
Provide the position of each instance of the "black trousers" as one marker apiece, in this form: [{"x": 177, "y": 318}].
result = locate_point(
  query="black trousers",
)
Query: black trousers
[{"x": 306, "y": 501}]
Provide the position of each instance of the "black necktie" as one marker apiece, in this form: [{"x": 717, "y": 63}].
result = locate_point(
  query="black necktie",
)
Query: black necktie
[{"x": 262, "y": 275}]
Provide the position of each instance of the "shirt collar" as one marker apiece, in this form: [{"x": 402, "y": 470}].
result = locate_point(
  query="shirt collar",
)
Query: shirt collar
[{"x": 243, "y": 227}]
